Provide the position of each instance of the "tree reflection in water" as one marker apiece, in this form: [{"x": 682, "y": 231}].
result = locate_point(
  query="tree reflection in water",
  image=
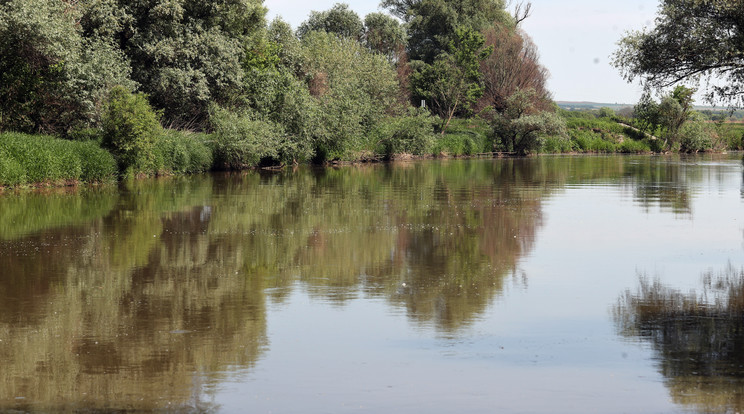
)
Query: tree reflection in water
[
  {"x": 140, "y": 299},
  {"x": 699, "y": 338}
]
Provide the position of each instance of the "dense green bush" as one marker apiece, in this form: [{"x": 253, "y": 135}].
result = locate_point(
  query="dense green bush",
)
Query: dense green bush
[
  {"x": 53, "y": 74},
  {"x": 635, "y": 147},
  {"x": 731, "y": 135},
  {"x": 696, "y": 136},
  {"x": 130, "y": 128},
  {"x": 410, "y": 134},
  {"x": 354, "y": 89},
  {"x": 42, "y": 159},
  {"x": 179, "y": 152},
  {"x": 240, "y": 141},
  {"x": 556, "y": 145}
]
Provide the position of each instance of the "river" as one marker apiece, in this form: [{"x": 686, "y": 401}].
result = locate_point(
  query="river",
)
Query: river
[{"x": 551, "y": 284}]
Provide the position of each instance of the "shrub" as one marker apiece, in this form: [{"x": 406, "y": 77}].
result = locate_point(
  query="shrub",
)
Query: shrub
[
  {"x": 634, "y": 147},
  {"x": 556, "y": 145},
  {"x": 182, "y": 153},
  {"x": 695, "y": 136},
  {"x": 130, "y": 127},
  {"x": 412, "y": 134},
  {"x": 242, "y": 142}
]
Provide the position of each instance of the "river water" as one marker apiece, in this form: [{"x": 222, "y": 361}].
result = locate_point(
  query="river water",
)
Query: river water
[{"x": 542, "y": 285}]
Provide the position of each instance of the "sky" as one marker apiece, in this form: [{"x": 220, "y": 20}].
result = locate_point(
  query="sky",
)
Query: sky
[{"x": 576, "y": 39}]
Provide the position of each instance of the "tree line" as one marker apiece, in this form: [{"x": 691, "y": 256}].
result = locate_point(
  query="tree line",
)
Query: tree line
[{"x": 339, "y": 87}]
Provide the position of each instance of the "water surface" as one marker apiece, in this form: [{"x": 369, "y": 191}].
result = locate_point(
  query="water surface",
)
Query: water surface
[{"x": 544, "y": 285}]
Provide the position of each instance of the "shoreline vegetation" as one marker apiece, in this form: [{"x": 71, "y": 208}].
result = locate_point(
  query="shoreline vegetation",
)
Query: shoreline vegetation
[{"x": 96, "y": 91}]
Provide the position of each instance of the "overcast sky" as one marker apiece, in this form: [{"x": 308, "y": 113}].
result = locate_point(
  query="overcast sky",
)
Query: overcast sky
[{"x": 575, "y": 39}]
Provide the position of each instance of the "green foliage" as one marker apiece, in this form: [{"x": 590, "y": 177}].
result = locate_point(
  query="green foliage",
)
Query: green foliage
[
  {"x": 556, "y": 145},
  {"x": 96, "y": 164},
  {"x": 412, "y": 133},
  {"x": 432, "y": 24},
  {"x": 354, "y": 89},
  {"x": 280, "y": 98},
  {"x": 179, "y": 152},
  {"x": 603, "y": 135},
  {"x": 339, "y": 20},
  {"x": 452, "y": 84},
  {"x": 731, "y": 135},
  {"x": 52, "y": 76},
  {"x": 696, "y": 136},
  {"x": 239, "y": 141},
  {"x": 187, "y": 54},
  {"x": 464, "y": 137},
  {"x": 647, "y": 114},
  {"x": 691, "y": 39},
  {"x": 290, "y": 49},
  {"x": 384, "y": 34},
  {"x": 35, "y": 159},
  {"x": 605, "y": 112},
  {"x": 521, "y": 128},
  {"x": 130, "y": 127}
]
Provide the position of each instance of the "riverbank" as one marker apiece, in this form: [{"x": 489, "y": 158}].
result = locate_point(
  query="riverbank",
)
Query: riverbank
[{"x": 46, "y": 161}]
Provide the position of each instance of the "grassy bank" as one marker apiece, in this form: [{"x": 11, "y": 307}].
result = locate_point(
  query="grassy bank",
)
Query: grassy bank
[
  {"x": 47, "y": 161},
  {"x": 44, "y": 160}
]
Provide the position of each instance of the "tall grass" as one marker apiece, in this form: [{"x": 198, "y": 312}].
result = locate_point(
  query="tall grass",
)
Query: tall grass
[
  {"x": 179, "y": 152},
  {"x": 38, "y": 159},
  {"x": 464, "y": 137}
]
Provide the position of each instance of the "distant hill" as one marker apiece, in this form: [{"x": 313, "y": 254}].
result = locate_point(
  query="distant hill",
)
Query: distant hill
[
  {"x": 569, "y": 105},
  {"x": 583, "y": 105}
]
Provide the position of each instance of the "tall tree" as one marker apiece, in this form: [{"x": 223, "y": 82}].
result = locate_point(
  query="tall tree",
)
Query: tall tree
[
  {"x": 384, "y": 35},
  {"x": 452, "y": 84},
  {"x": 432, "y": 23},
  {"x": 184, "y": 54},
  {"x": 513, "y": 65},
  {"x": 692, "y": 39},
  {"x": 340, "y": 19}
]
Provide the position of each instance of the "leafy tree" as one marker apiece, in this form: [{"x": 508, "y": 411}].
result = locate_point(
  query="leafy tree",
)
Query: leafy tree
[
  {"x": 674, "y": 110},
  {"x": 605, "y": 112},
  {"x": 130, "y": 128},
  {"x": 184, "y": 54},
  {"x": 432, "y": 24},
  {"x": 522, "y": 128},
  {"x": 646, "y": 113},
  {"x": 242, "y": 141},
  {"x": 667, "y": 116},
  {"x": 514, "y": 64},
  {"x": 384, "y": 34},
  {"x": 289, "y": 47},
  {"x": 452, "y": 83},
  {"x": 339, "y": 20},
  {"x": 696, "y": 135},
  {"x": 692, "y": 39},
  {"x": 353, "y": 87},
  {"x": 52, "y": 77}
]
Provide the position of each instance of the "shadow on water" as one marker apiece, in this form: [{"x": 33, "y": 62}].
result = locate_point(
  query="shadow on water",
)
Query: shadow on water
[{"x": 698, "y": 337}]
